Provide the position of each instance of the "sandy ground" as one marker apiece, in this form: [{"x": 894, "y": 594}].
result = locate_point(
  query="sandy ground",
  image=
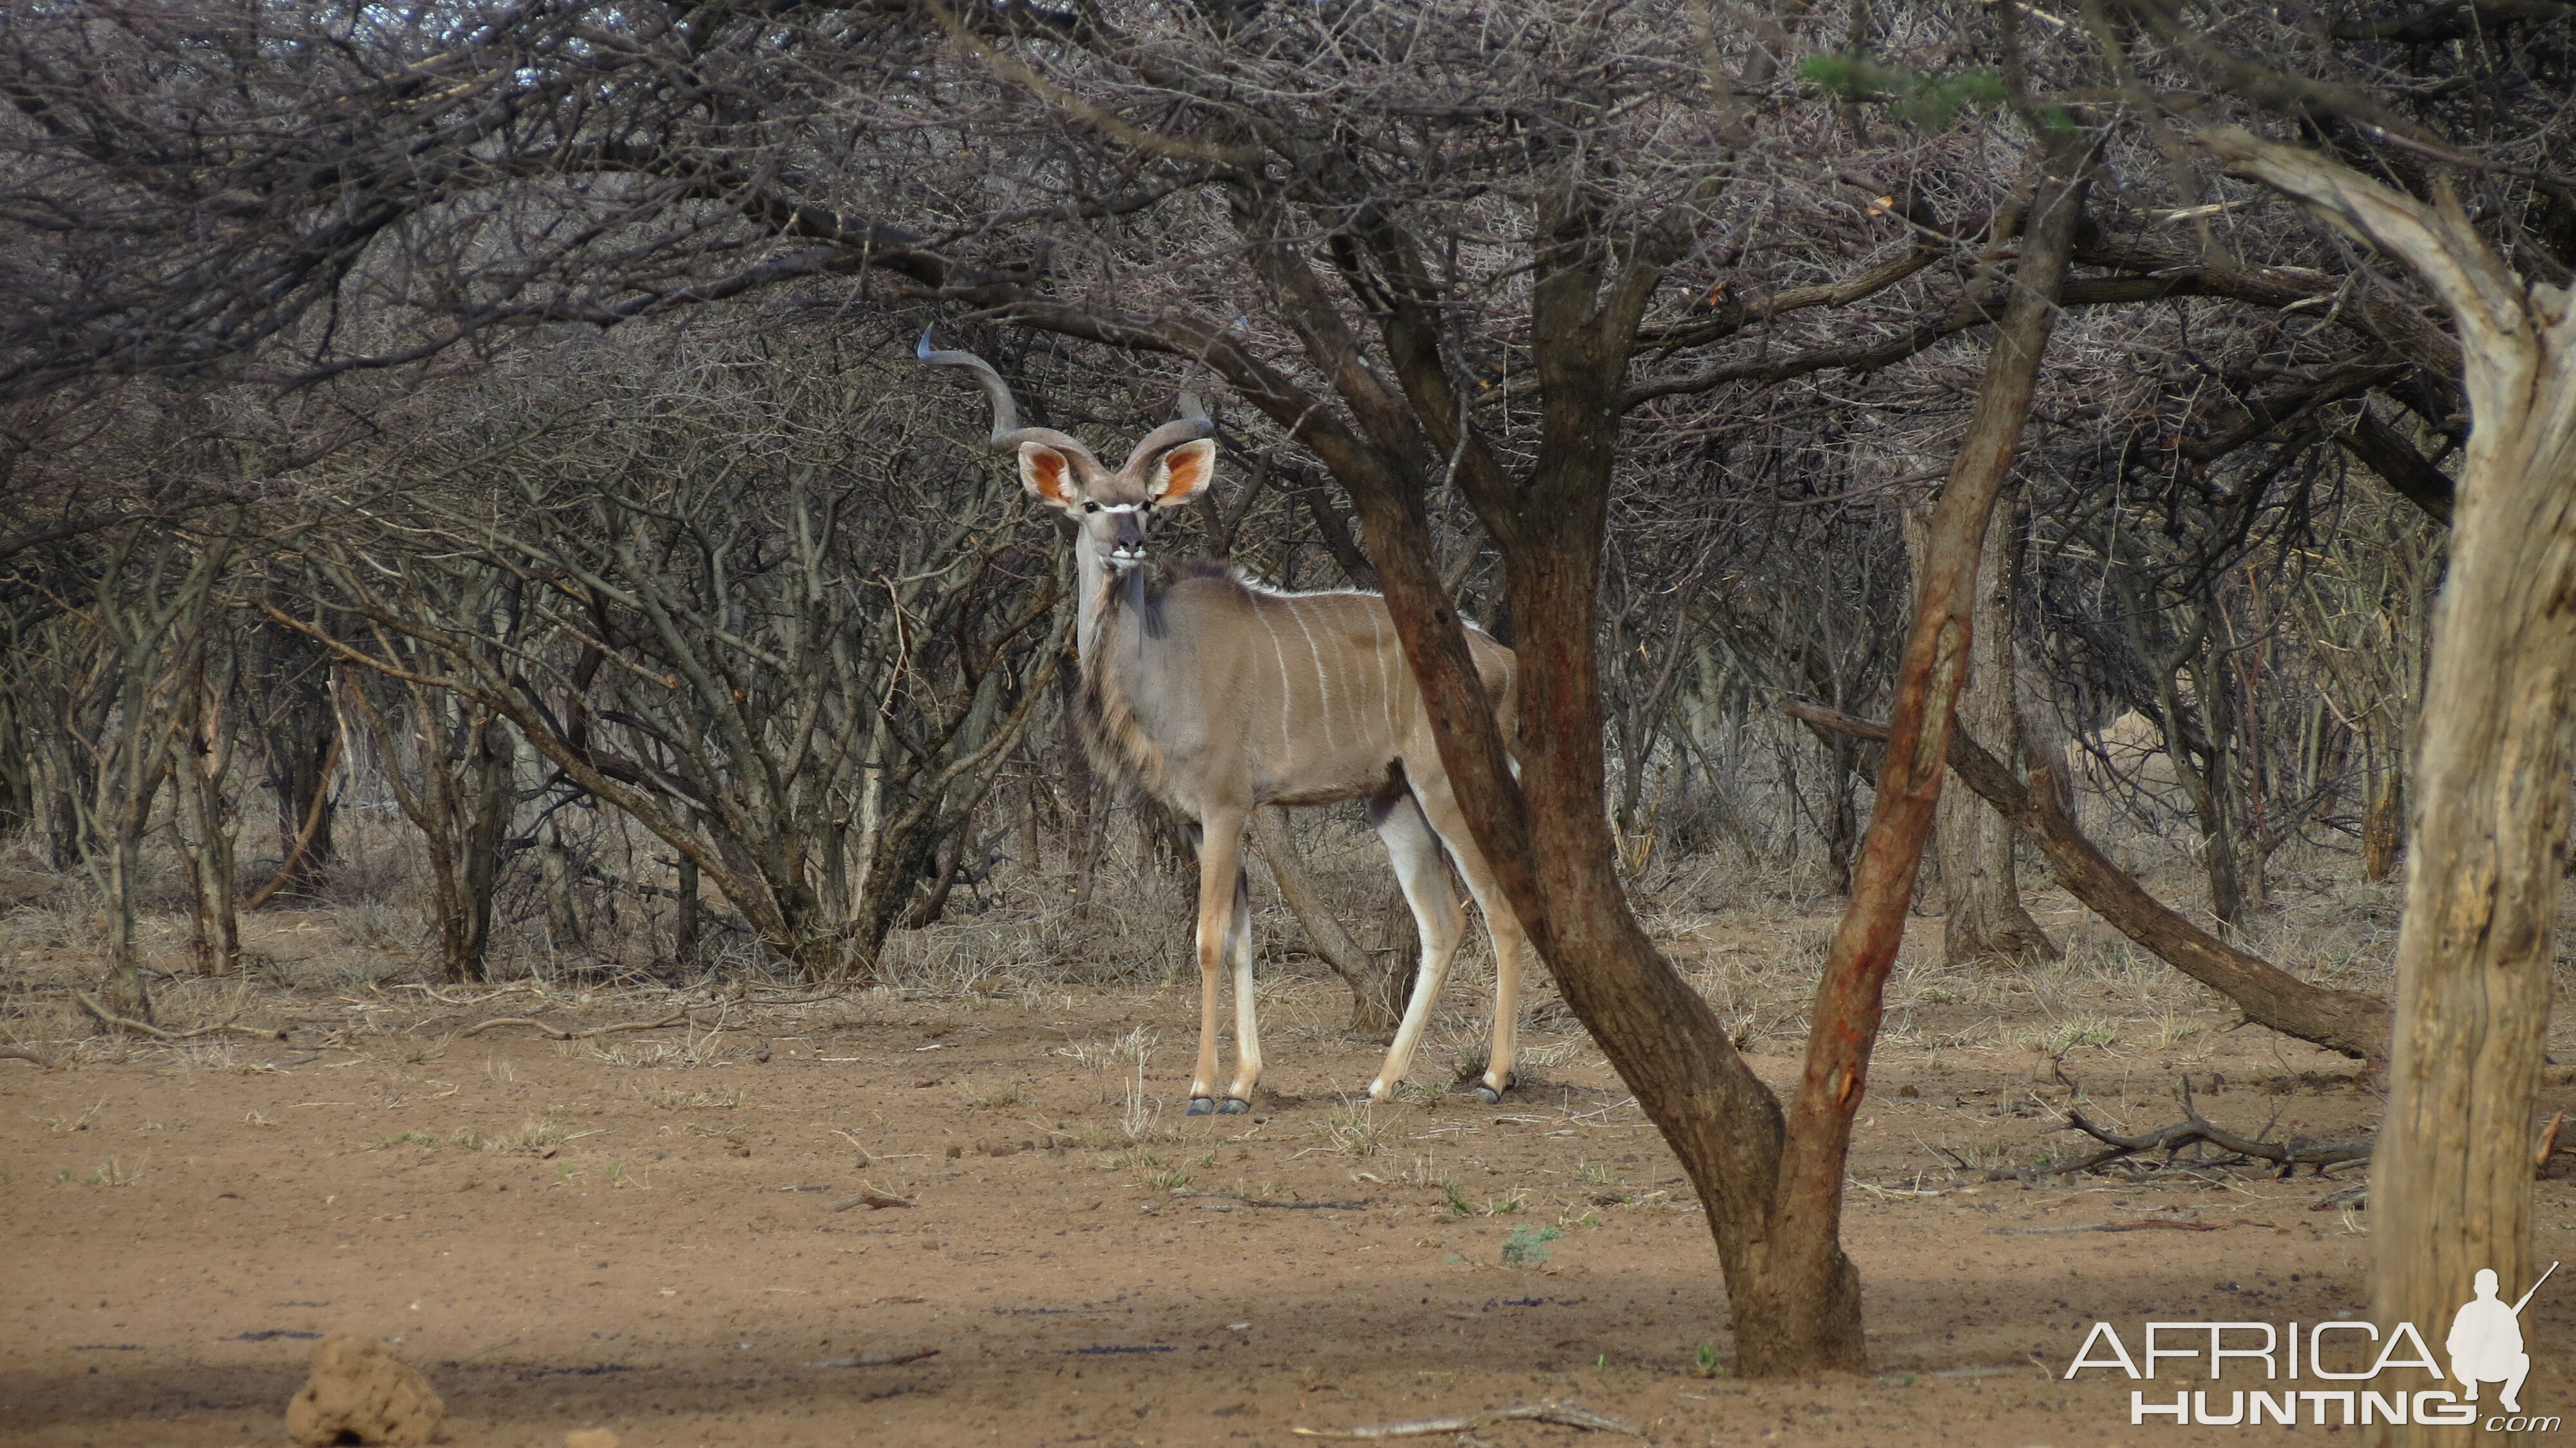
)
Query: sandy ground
[{"x": 655, "y": 1231}]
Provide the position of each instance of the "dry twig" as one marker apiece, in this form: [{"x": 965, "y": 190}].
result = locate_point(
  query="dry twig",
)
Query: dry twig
[
  {"x": 2146, "y": 1224},
  {"x": 1563, "y": 1411},
  {"x": 883, "y": 1360},
  {"x": 2289, "y": 1156},
  {"x": 558, "y": 1033},
  {"x": 23, "y": 1053},
  {"x": 115, "y": 1022}
]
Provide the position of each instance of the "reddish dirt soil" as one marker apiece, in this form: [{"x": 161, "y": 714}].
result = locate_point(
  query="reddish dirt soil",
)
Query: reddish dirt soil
[{"x": 655, "y": 1234}]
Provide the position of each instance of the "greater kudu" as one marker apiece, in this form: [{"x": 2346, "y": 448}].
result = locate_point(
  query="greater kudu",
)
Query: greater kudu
[{"x": 1220, "y": 696}]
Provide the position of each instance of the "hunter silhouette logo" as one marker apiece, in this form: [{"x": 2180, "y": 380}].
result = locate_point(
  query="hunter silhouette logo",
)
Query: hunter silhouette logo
[
  {"x": 2486, "y": 1341},
  {"x": 2485, "y": 1345}
]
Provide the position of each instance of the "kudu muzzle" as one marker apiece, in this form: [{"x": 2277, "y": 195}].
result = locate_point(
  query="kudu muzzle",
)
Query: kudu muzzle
[{"x": 1127, "y": 548}]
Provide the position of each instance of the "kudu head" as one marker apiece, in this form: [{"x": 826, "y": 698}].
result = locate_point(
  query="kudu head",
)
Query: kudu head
[{"x": 1171, "y": 466}]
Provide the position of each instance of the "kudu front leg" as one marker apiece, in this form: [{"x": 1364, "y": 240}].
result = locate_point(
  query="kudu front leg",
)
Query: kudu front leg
[{"x": 1221, "y": 919}]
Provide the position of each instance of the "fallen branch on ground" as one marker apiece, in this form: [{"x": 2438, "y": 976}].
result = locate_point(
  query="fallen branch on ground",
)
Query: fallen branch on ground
[
  {"x": 2339, "y": 1020},
  {"x": 558, "y": 1033},
  {"x": 886, "y": 1360},
  {"x": 22, "y": 1053},
  {"x": 115, "y": 1022},
  {"x": 1563, "y": 1412},
  {"x": 2289, "y": 1156},
  {"x": 1281, "y": 1206},
  {"x": 443, "y": 998},
  {"x": 2149, "y": 1224}
]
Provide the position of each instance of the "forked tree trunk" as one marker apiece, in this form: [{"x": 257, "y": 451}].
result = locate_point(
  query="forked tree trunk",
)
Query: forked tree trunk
[
  {"x": 301, "y": 734},
  {"x": 461, "y": 805},
  {"x": 2451, "y": 1188},
  {"x": 1986, "y": 922},
  {"x": 1379, "y": 984},
  {"x": 1773, "y": 1197}
]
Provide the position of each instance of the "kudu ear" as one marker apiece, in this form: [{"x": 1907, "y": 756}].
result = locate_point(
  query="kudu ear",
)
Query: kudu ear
[
  {"x": 1183, "y": 473},
  {"x": 1048, "y": 474}
]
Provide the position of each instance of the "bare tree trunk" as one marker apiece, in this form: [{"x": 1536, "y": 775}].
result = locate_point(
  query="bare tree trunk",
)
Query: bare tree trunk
[
  {"x": 1974, "y": 845},
  {"x": 150, "y": 602},
  {"x": 557, "y": 872},
  {"x": 2451, "y": 1189},
  {"x": 1812, "y": 1292},
  {"x": 1378, "y": 987},
  {"x": 291, "y": 699},
  {"x": 461, "y": 805},
  {"x": 132, "y": 786},
  {"x": 2383, "y": 823},
  {"x": 483, "y": 809},
  {"x": 17, "y": 762},
  {"x": 1842, "y": 814},
  {"x": 206, "y": 826},
  {"x": 685, "y": 949}
]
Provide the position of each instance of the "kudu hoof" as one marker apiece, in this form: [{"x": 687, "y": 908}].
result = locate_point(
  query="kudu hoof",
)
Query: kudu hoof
[
  {"x": 1233, "y": 1106},
  {"x": 1492, "y": 1097},
  {"x": 1200, "y": 1106}
]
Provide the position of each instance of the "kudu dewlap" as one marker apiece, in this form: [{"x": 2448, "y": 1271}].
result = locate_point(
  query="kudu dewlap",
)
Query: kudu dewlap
[{"x": 1219, "y": 696}]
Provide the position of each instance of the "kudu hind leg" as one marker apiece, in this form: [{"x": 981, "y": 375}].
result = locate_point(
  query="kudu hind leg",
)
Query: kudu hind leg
[
  {"x": 1415, "y": 852},
  {"x": 1440, "y": 807},
  {"x": 1220, "y": 878},
  {"x": 1247, "y": 1026}
]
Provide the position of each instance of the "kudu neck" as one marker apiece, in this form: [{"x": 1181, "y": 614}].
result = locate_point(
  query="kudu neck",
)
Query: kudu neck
[{"x": 1099, "y": 588}]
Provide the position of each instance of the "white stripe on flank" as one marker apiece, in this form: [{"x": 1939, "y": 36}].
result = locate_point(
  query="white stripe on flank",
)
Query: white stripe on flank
[
  {"x": 1325, "y": 704},
  {"x": 1287, "y": 745}
]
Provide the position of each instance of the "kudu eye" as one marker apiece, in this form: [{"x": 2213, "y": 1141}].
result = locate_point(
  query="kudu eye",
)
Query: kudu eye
[{"x": 1091, "y": 507}]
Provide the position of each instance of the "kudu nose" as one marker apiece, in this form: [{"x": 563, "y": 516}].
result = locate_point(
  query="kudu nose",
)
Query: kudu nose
[{"x": 1129, "y": 548}]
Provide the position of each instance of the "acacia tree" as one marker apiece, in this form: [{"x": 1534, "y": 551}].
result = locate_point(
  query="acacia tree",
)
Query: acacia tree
[
  {"x": 2452, "y": 1175},
  {"x": 1342, "y": 236},
  {"x": 725, "y": 604}
]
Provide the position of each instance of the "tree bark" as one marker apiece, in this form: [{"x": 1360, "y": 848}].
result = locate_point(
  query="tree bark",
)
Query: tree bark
[
  {"x": 301, "y": 734},
  {"x": 204, "y": 826},
  {"x": 2383, "y": 826},
  {"x": 2451, "y": 1188},
  {"x": 685, "y": 949},
  {"x": 1815, "y": 1291},
  {"x": 1378, "y": 986},
  {"x": 1662, "y": 1037},
  {"x": 1981, "y": 889},
  {"x": 460, "y": 805},
  {"x": 2346, "y": 1021}
]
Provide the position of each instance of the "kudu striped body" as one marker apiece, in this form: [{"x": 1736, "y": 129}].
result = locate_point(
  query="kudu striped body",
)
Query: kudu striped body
[{"x": 1220, "y": 697}]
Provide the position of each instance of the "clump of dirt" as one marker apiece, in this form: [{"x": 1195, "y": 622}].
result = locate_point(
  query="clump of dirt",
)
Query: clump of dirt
[{"x": 361, "y": 1393}]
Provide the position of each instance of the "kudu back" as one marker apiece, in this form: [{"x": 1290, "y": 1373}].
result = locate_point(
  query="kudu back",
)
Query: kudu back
[{"x": 1219, "y": 696}]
